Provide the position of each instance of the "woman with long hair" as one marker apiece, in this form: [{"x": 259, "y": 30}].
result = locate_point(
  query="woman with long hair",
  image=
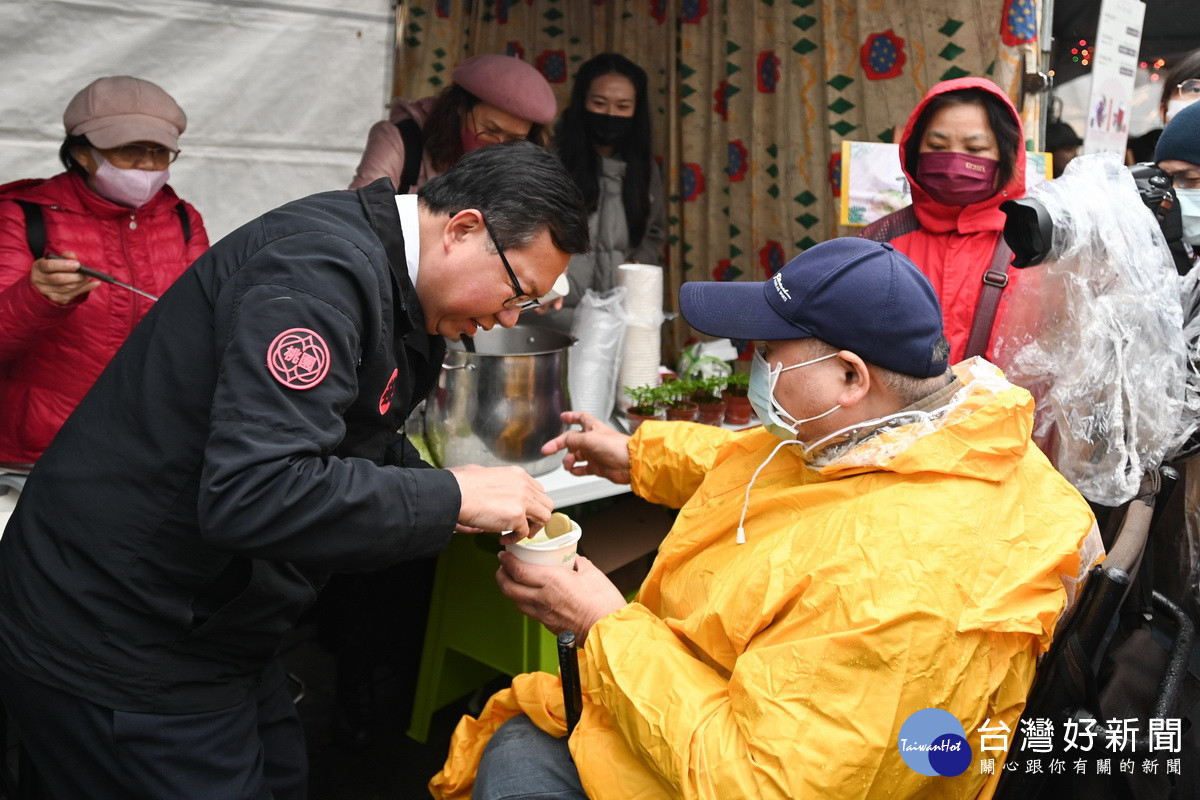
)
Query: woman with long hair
[{"x": 603, "y": 138}]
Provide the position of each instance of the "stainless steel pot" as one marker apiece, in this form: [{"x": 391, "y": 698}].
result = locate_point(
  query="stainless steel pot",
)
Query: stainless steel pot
[{"x": 498, "y": 405}]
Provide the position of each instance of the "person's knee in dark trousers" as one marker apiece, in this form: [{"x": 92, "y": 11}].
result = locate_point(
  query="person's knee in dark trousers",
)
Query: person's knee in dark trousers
[{"x": 522, "y": 760}]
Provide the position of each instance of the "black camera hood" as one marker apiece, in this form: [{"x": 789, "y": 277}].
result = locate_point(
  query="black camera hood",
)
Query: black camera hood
[{"x": 1028, "y": 230}]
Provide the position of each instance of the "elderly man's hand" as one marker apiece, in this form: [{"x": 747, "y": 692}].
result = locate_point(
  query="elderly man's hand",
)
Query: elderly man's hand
[
  {"x": 597, "y": 449},
  {"x": 562, "y": 599}
]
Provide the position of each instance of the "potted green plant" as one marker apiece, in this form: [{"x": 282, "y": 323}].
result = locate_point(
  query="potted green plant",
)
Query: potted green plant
[
  {"x": 676, "y": 396},
  {"x": 645, "y": 404},
  {"x": 708, "y": 395},
  {"x": 737, "y": 401}
]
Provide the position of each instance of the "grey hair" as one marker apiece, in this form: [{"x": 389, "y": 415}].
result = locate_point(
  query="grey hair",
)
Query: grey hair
[{"x": 907, "y": 389}]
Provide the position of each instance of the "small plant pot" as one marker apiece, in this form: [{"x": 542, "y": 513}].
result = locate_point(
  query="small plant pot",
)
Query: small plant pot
[
  {"x": 711, "y": 411},
  {"x": 683, "y": 411},
  {"x": 636, "y": 418},
  {"x": 737, "y": 409}
]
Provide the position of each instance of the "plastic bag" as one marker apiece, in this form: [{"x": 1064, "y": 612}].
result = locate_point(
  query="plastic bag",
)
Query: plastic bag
[
  {"x": 595, "y": 360},
  {"x": 1095, "y": 333},
  {"x": 707, "y": 359}
]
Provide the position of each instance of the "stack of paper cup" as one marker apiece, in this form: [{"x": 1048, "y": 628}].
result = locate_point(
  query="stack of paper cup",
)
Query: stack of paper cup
[
  {"x": 643, "y": 338},
  {"x": 593, "y": 369}
]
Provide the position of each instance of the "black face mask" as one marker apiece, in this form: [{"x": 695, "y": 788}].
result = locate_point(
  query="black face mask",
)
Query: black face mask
[{"x": 605, "y": 129}]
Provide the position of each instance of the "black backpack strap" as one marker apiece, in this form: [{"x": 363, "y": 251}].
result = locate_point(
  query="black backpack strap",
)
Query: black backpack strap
[
  {"x": 35, "y": 228},
  {"x": 184, "y": 221},
  {"x": 410, "y": 132}
]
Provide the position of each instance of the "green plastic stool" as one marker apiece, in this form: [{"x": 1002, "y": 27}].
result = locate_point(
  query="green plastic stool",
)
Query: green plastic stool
[{"x": 474, "y": 632}]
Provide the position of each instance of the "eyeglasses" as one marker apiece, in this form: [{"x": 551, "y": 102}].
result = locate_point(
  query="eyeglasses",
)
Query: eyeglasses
[
  {"x": 136, "y": 153},
  {"x": 492, "y": 135},
  {"x": 522, "y": 299},
  {"x": 1186, "y": 179},
  {"x": 1190, "y": 86}
]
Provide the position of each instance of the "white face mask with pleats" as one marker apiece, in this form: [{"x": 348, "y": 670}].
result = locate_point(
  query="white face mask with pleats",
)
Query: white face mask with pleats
[
  {"x": 761, "y": 393},
  {"x": 1189, "y": 212}
]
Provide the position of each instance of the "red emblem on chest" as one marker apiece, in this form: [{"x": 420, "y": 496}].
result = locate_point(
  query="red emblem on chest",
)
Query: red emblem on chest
[
  {"x": 298, "y": 358},
  {"x": 385, "y": 399}
]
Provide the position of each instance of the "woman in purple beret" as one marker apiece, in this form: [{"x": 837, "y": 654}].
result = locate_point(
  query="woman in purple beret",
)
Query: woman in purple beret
[{"x": 494, "y": 98}]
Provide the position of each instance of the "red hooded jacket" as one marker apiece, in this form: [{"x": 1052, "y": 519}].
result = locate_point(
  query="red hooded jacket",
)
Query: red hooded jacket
[
  {"x": 51, "y": 354},
  {"x": 954, "y": 245}
]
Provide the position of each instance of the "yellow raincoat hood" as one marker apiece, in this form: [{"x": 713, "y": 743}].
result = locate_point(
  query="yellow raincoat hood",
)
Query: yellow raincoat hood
[{"x": 921, "y": 567}]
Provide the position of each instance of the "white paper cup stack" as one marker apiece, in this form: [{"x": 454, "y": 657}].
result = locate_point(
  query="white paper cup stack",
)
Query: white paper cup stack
[
  {"x": 643, "y": 338},
  {"x": 593, "y": 369}
]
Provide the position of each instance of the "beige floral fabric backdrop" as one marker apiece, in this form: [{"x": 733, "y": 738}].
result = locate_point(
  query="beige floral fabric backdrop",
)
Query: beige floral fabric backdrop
[{"x": 752, "y": 98}]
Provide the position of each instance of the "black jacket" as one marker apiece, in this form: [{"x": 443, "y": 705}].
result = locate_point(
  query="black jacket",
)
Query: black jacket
[{"x": 240, "y": 447}]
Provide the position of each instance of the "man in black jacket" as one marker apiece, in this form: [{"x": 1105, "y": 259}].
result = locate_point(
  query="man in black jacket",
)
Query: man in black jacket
[{"x": 239, "y": 448}]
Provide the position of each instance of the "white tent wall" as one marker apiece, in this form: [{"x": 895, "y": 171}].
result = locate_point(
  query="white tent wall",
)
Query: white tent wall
[{"x": 278, "y": 95}]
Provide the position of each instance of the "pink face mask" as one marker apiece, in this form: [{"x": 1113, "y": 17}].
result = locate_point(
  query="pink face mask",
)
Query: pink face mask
[
  {"x": 470, "y": 142},
  {"x": 957, "y": 179},
  {"x": 128, "y": 187}
]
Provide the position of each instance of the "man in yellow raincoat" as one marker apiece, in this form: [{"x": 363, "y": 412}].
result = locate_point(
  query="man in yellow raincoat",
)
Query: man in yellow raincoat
[{"x": 889, "y": 541}]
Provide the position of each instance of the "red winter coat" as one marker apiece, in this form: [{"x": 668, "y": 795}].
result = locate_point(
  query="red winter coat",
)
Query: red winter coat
[
  {"x": 954, "y": 244},
  {"x": 51, "y": 354}
]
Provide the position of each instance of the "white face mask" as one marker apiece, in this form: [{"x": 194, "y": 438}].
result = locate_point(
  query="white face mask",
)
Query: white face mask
[
  {"x": 1175, "y": 106},
  {"x": 761, "y": 393},
  {"x": 128, "y": 187},
  {"x": 1189, "y": 211}
]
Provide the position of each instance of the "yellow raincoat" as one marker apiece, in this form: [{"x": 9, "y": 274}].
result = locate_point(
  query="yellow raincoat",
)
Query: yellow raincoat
[{"x": 921, "y": 568}]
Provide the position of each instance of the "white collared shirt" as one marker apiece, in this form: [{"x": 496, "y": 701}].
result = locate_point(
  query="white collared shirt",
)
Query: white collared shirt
[{"x": 410, "y": 226}]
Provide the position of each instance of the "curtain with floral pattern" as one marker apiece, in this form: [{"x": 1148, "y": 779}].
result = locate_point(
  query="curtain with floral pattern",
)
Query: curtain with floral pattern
[{"x": 751, "y": 98}]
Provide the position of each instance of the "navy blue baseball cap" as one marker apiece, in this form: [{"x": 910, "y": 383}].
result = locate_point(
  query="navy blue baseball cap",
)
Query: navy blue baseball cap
[{"x": 855, "y": 294}]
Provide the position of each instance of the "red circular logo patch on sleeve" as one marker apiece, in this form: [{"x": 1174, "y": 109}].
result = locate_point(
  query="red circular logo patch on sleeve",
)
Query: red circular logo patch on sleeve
[{"x": 298, "y": 358}]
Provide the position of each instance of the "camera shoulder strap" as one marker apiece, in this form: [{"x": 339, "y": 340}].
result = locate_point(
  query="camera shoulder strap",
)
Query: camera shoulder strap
[
  {"x": 892, "y": 226},
  {"x": 995, "y": 278}
]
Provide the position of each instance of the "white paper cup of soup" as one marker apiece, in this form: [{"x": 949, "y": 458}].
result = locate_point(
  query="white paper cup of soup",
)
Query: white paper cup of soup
[{"x": 557, "y": 552}]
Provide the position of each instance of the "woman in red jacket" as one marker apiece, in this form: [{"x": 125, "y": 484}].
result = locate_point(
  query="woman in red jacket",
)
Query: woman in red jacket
[
  {"x": 963, "y": 152},
  {"x": 111, "y": 211}
]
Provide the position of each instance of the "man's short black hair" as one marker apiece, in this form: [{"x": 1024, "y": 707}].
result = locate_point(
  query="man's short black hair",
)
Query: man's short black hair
[{"x": 519, "y": 188}]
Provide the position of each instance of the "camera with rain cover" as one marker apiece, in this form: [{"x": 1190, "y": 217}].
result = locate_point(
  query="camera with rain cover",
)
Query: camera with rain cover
[{"x": 1029, "y": 229}]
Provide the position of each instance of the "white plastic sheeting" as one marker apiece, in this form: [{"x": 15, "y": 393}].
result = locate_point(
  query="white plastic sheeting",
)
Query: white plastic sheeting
[
  {"x": 279, "y": 95},
  {"x": 1096, "y": 334}
]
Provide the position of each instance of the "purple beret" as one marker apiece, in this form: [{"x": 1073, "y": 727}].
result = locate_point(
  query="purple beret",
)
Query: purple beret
[{"x": 509, "y": 84}]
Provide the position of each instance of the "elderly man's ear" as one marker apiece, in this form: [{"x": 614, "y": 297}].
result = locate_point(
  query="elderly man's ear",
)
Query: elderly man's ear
[{"x": 856, "y": 379}]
